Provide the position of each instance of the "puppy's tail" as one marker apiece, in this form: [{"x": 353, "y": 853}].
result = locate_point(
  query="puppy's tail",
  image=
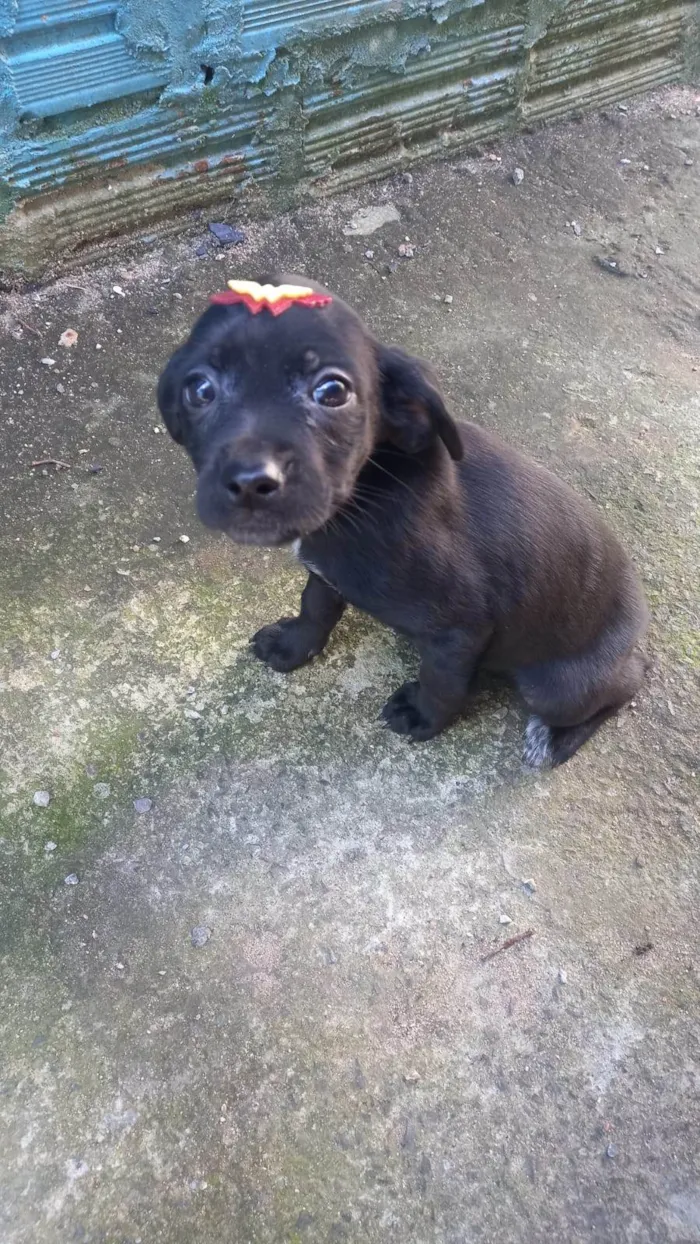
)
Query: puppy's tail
[{"x": 549, "y": 746}]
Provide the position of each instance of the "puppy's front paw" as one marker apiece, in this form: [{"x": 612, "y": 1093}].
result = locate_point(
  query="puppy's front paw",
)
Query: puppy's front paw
[
  {"x": 403, "y": 715},
  {"x": 284, "y": 646}
]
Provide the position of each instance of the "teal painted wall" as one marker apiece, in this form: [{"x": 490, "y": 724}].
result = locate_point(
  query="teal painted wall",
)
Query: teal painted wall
[{"x": 114, "y": 113}]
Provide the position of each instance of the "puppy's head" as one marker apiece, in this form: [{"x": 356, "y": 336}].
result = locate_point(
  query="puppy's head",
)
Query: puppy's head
[{"x": 279, "y": 413}]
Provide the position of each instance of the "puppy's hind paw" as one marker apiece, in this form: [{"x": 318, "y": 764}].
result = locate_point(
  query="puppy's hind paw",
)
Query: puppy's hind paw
[{"x": 537, "y": 753}]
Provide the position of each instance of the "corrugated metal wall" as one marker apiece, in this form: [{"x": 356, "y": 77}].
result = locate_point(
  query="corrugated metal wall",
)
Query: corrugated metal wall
[{"x": 117, "y": 112}]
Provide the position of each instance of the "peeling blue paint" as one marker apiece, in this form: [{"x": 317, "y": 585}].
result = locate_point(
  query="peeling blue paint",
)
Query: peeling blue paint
[{"x": 116, "y": 111}]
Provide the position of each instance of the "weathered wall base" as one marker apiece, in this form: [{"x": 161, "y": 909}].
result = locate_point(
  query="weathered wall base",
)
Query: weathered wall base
[{"x": 118, "y": 113}]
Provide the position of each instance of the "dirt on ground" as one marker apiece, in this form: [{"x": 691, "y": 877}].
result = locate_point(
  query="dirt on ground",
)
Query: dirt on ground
[{"x": 247, "y": 989}]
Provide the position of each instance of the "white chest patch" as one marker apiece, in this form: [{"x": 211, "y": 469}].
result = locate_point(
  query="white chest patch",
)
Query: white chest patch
[{"x": 296, "y": 549}]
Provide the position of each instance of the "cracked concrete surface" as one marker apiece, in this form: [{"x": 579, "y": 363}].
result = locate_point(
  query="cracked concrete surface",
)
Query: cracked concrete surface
[{"x": 337, "y": 1060}]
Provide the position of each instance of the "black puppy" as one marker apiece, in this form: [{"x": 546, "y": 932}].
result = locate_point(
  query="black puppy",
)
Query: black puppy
[{"x": 302, "y": 428}]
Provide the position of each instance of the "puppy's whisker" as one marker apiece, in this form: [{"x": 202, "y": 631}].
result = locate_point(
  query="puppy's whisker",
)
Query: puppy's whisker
[
  {"x": 370, "y": 490},
  {"x": 351, "y": 521},
  {"x": 347, "y": 515},
  {"x": 395, "y": 478},
  {"x": 362, "y": 493},
  {"x": 367, "y": 509}
]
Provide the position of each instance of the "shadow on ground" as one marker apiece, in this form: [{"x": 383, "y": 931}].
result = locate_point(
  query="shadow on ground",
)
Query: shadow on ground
[{"x": 330, "y": 1056}]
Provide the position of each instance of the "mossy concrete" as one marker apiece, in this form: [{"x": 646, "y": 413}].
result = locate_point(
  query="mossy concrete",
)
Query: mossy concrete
[{"x": 339, "y": 1061}]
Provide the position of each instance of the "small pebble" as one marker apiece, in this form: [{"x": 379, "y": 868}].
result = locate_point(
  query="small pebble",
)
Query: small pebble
[
  {"x": 518, "y": 176},
  {"x": 117, "y": 289},
  {"x": 406, "y": 250},
  {"x": 143, "y": 805},
  {"x": 95, "y": 468},
  {"x": 688, "y": 163},
  {"x": 49, "y": 847},
  {"x": 226, "y": 235},
  {"x": 609, "y": 265},
  {"x": 658, "y": 250},
  {"x": 528, "y": 885},
  {"x": 576, "y": 228},
  {"x": 503, "y": 919},
  {"x": 42, "y": 798},
  {"x": 68, "y": 338},
  {"x": 448, "y": 299},
  {"x": 71, "y": 879},
  {"x": 55, "y": 654},
  {"x": 200, "y": 935},
  {"x": 49, "y": 362},
  {"x": 184, "y": 539},
  {"x": 563, "y": 977},
  {"x": 643, "y": 948},
  {"x": 369, "y": 254},
  {"x": 611, "y": 1151},
  {"x": 201, "y": 250},
  {"x": 625, "y": 161},
  {"x": 60, "y": 388},
  {"x": 101, "y": 790}
]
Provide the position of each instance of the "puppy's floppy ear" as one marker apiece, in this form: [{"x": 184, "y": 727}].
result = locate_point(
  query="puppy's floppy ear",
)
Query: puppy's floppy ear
[
  {"x": 169, "y": 391},
  {"x": 413, "y": 412}
]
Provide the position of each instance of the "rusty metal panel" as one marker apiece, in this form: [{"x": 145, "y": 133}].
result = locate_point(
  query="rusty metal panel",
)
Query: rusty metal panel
[
  {"x": 118, "y": 112},
  {"x": 464, "y": 88},
  {"x": 596, "y": 51}
]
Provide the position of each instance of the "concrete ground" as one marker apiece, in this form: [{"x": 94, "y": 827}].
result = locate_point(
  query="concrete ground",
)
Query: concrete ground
[{"x": 331, "y": 1055}]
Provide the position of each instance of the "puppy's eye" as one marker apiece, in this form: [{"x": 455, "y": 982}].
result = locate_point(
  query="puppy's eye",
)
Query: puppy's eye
[
  {"x": 333, "y": 391},
  {"x": 199, "y": 392}
]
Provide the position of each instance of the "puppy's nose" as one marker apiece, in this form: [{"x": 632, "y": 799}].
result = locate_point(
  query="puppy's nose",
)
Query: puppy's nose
[{"x": 252, "y": 481}]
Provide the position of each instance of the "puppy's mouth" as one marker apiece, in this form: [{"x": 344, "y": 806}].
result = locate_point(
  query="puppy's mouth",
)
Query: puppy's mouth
[
  {"x": 262, "y": 537},
  {"x": 272, "y": 523}
]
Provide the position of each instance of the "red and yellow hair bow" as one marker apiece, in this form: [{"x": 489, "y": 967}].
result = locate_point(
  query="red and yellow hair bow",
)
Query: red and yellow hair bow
[{"x": 275, "y": 298}]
